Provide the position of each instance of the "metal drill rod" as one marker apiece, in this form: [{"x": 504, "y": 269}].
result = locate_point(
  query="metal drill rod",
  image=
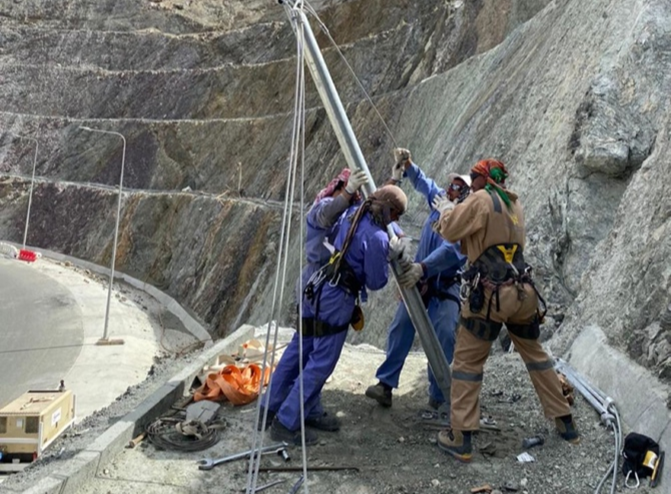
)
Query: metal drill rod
[{"x": 355, "y": 160}]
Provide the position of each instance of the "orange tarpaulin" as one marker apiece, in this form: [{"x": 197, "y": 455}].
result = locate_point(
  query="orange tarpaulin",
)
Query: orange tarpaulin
[{"x": 239, "y": 386}]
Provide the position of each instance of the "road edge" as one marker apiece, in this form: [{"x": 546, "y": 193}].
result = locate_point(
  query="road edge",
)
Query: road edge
[{"x": 191, "y": 324}]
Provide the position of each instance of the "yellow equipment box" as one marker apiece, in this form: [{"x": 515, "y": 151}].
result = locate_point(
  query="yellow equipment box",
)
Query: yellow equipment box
[{"x": 29, "y": 424}]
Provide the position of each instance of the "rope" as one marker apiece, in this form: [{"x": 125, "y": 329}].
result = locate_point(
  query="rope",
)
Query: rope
[
  {"x": 163, "y": 435},
  {"x": 325, "y": 30},
  {"x": 300, "y": 300},
  {"x": 282, "y": 257}
]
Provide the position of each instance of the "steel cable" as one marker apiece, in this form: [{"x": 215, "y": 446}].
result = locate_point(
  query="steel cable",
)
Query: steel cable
[
  {"x": 282, "y": 258},
  {"x": 323, "y": 27}
]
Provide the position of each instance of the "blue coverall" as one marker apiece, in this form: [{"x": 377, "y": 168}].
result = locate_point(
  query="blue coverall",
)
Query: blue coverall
[
  {"x": 367, "y": 256},
  {"x": 442, "y": 260},
  {"x": 320, "y": 220}
]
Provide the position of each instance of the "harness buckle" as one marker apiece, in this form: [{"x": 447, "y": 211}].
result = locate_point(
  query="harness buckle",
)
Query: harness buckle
[{"x": 333, "y": 282}]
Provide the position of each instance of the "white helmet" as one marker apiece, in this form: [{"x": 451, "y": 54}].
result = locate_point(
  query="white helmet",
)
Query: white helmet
[{"x": 466, "y": 179}]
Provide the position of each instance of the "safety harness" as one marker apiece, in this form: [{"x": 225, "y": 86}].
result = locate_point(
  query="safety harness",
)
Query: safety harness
[
  {"x": 498, "y": 266},
  {"x": 337, "y": 273}
]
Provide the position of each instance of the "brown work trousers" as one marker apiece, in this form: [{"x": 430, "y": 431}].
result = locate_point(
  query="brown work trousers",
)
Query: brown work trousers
[{"x": 471, "y": 353}]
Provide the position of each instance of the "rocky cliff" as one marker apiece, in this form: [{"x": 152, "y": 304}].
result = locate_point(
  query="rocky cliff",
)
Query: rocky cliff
[{"x": 572, "y": 95}]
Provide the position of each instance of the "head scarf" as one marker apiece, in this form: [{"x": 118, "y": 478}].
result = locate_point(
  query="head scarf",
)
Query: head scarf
[
  {"x": 391, "y": 196},
  {"x": 496, "y": 173},
  {"x": 330, "y": 189},
  {"x": 379, "y": 204}
]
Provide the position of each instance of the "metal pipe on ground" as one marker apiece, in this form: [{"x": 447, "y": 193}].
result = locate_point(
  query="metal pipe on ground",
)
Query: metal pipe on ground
[{"x": 578, "y": 383}]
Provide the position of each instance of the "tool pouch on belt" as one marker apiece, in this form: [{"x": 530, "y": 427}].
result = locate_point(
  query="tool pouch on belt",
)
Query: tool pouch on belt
[
  {"x": 472, "y": 290},
  {"x": 357, "y": 321}
]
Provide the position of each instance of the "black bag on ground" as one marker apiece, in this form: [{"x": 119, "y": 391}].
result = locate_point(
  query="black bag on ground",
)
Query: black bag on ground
[{"x": 636, "y": 447}]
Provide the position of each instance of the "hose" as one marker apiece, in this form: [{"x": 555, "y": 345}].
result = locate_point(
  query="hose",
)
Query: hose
[
  {"x": 163, "y": 435},
  {"x": 609, "y": 415}
]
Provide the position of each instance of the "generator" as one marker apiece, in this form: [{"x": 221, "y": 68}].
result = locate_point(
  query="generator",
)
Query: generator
[{"x": 30, "y": 423}]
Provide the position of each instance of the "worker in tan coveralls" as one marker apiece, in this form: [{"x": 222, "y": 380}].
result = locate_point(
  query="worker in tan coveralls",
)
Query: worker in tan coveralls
[{"x": 499, "y": 289}]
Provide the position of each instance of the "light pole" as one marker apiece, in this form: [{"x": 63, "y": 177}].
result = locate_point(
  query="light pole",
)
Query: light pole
[
  {"x": 104, "y": 340},
  {"x": 32, "y": 185}
]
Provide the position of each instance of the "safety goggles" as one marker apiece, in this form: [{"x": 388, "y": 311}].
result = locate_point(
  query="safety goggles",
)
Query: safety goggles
[{"x": 455, "y": 187}]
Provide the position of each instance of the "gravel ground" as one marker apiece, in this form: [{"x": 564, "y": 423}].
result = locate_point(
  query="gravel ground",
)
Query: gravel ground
[{"x": 394, "y": 449}]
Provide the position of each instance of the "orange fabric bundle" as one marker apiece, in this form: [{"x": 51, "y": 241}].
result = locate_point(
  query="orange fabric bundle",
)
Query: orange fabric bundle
[{"x": 239, "y": 386}]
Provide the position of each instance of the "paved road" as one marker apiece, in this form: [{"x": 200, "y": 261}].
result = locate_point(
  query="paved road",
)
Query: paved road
[{"x": 41, "y": 330}]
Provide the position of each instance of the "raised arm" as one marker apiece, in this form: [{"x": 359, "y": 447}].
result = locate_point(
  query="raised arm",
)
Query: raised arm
[
  {"x": 422, "y": 183},
  {"x": 325, "y": 213}
]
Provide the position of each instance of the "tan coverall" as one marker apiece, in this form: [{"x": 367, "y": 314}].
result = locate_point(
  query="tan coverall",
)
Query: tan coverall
[{"x": 481, "y": 221}]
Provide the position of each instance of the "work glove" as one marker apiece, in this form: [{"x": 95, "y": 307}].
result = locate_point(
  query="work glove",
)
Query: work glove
[
  {"x": 402, "y": 159},
  {"x": 441, "y": 203},
  {"x": 411, "y": 275},
  {"x": 396, "y": 249},
  {"x": 355, "y": 181}
]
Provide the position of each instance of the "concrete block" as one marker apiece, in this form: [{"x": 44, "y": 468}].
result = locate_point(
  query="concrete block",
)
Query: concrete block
[
  {"x": 47, "y": 485},
  {"x": 155, "y": 405},
  {"x": 78, "y": 471},
  {"x": 112, "y": 441},
  {"x": 665, "y": 445}
]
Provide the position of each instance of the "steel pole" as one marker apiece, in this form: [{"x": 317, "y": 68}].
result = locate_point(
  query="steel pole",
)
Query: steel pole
[
  {"x": 116, "y": 227},
  {"x": 355, "y": 160},
  {"x": 30, "y": 195}
]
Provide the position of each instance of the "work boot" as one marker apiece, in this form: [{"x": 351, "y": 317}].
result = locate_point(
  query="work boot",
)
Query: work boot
[
  {"x": 323, "y": 422},
  {"x": 457, "y": 444},
  {"x": 567, "y": 430},
  {"x": 435, "y": 404},
  {"x": 280, "y": 433},
  {"x": 269, "y": 420},
  {"x": 380, "y": 393}
]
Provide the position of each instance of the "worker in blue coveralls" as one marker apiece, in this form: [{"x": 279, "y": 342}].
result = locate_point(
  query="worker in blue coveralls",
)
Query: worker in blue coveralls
[
  {"x": 338, "y": 195},
  {"x": 363, "y": 250},
  {"x": 436, "y": 272}
]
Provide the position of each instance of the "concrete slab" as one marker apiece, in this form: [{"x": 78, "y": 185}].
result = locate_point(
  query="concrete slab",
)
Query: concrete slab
[
  {"x": 639, "y": 396},
  {"x": 112, "y": 440},
  {"x": 79, "y": 470},
  {"x": 48, "y": 485}
]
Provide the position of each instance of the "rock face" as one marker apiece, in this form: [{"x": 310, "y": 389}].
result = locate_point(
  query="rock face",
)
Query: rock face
[{"x": 572, "y": 95}]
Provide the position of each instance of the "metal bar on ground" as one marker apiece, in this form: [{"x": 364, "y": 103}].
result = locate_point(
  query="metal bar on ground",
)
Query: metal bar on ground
[{"x": 355, "y": 160}]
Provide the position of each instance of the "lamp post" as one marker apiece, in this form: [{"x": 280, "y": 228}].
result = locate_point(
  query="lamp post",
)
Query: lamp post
[
  {"x": 104, "y": 340},
  {"x": 32, "y": 185}
]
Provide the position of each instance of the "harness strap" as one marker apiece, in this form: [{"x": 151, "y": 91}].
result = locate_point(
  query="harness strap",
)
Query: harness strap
[
  {"x": 317, "y": 328},
  {"x": 480, "y": 328}
]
